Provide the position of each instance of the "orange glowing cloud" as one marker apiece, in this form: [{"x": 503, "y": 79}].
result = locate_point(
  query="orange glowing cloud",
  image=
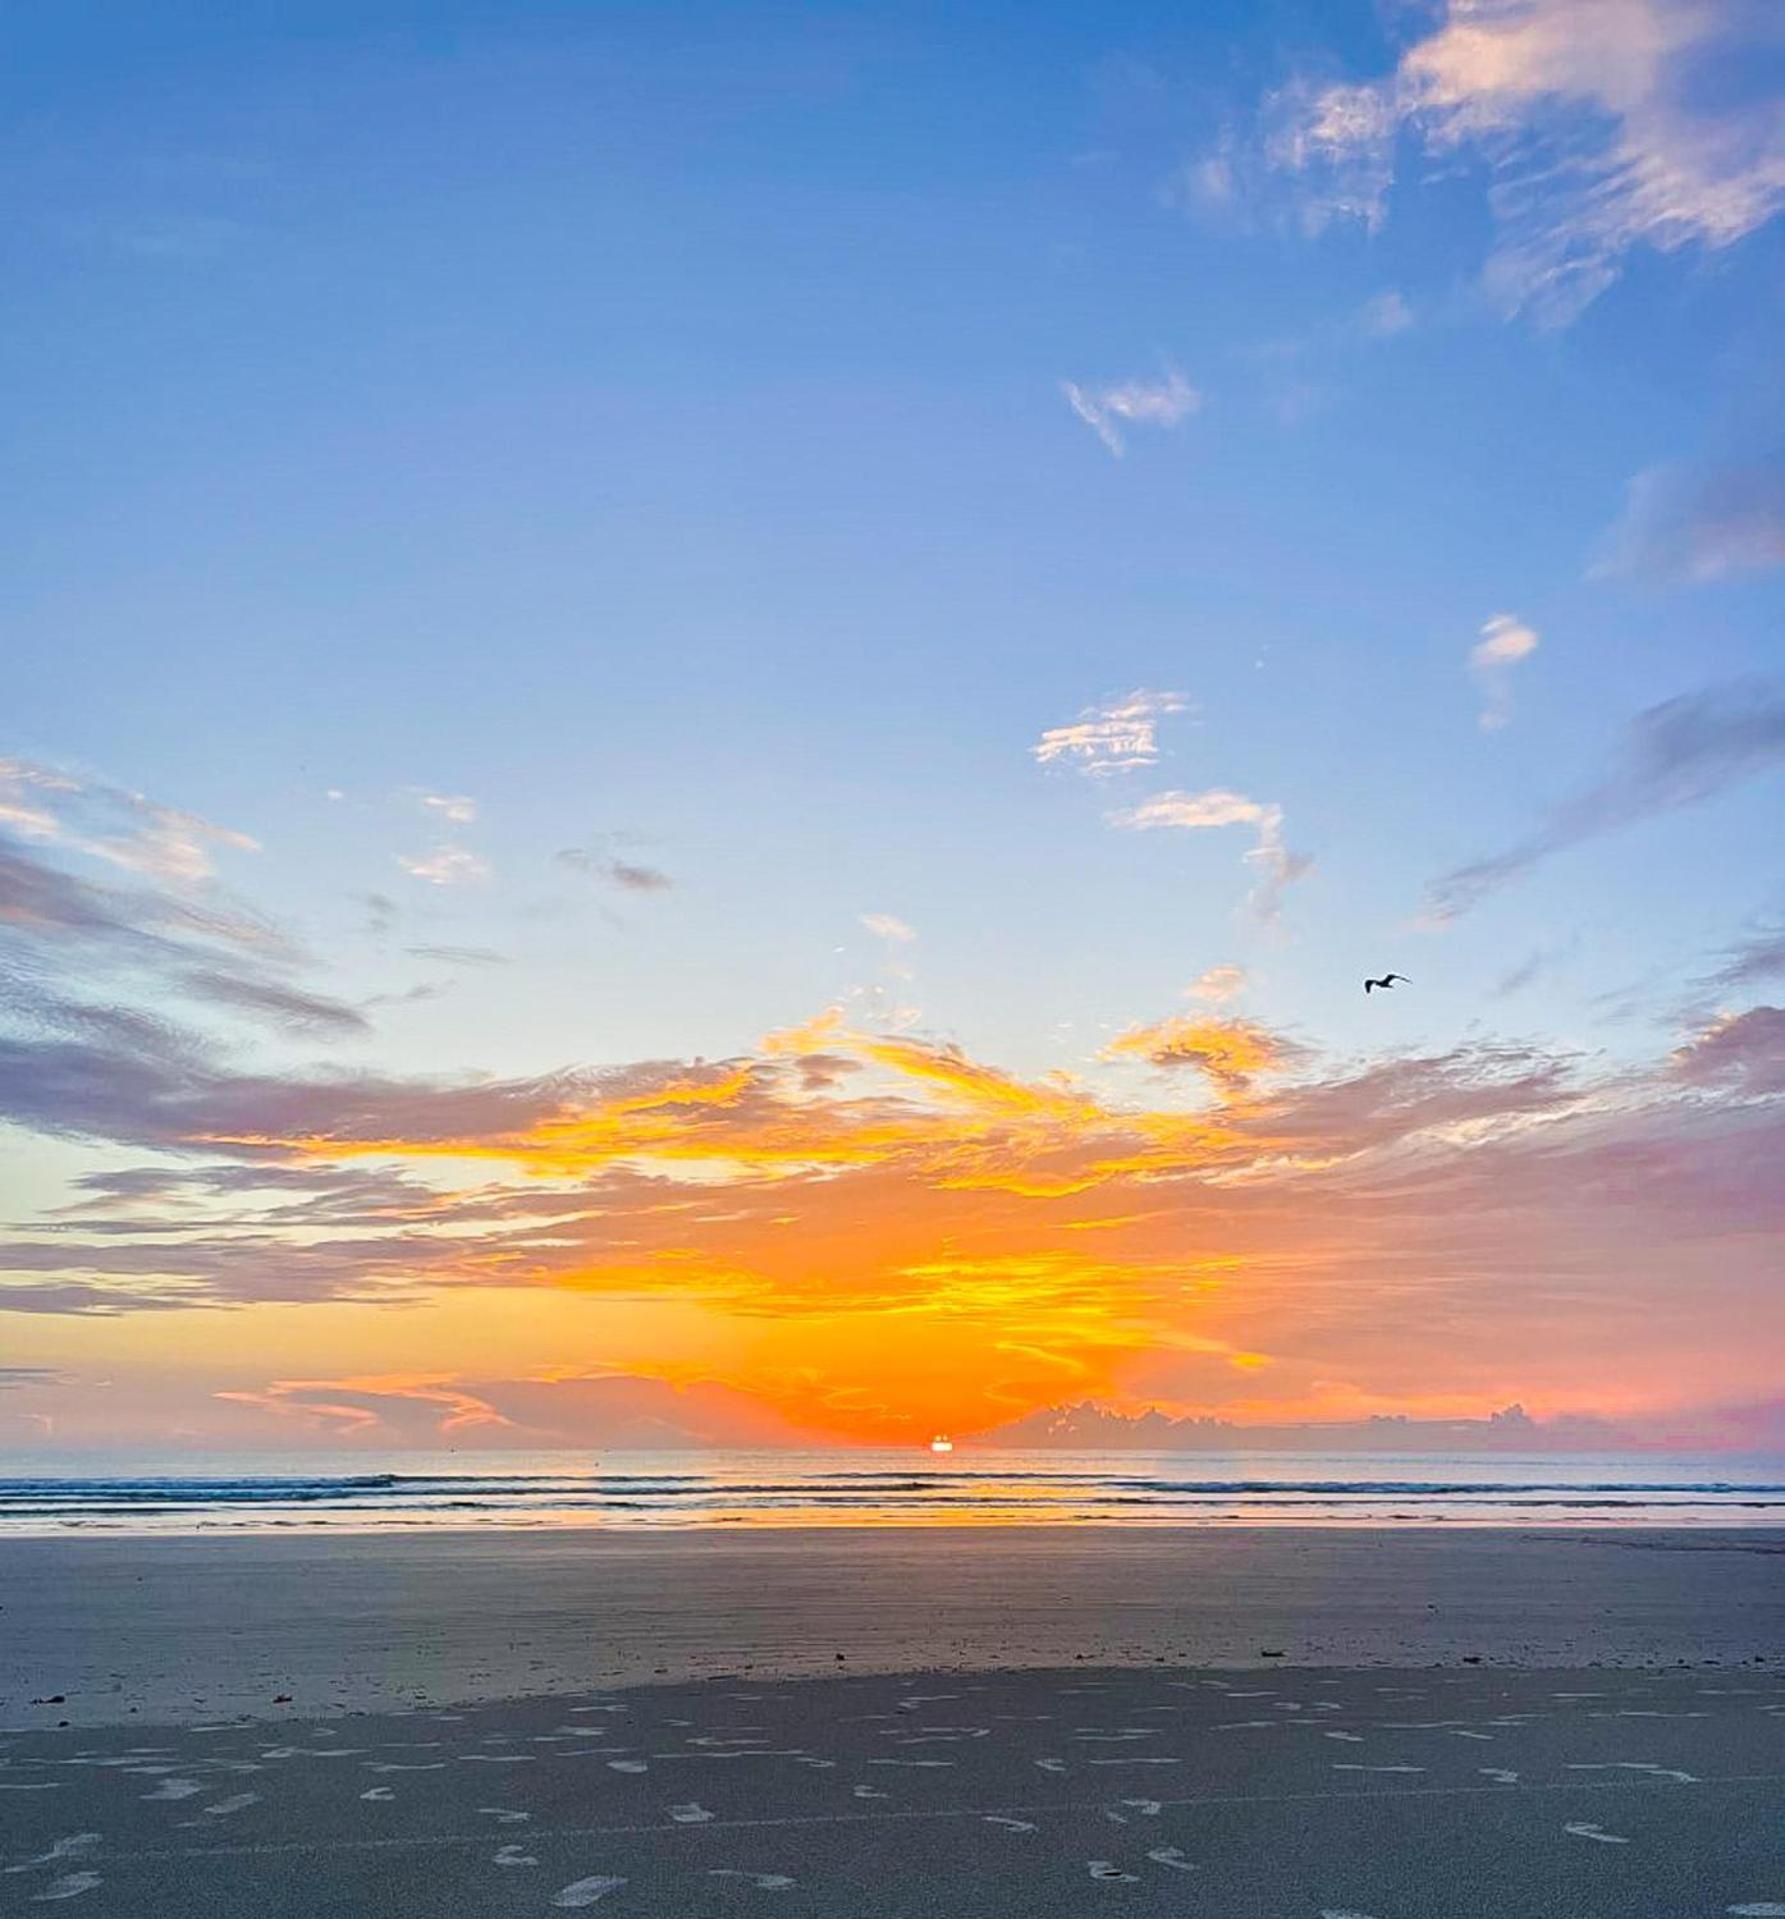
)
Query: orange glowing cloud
[
  {"x": 925, "y": 1233},
  {"x": 873, "y": 1235},
  {"x": 929, "y": 1108},
  {"x": 1230, "y": 1051}
]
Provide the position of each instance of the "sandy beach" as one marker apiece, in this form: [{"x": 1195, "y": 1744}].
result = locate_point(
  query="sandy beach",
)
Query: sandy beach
[
  {"x": 193, "y": 1628},
  {"x": 1379, "y": 1725},
  {"x": 1464, "y": 1792}
]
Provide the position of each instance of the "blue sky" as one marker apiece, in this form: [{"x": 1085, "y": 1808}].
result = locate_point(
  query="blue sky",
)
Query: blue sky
[{"x": 726, "y": 441}]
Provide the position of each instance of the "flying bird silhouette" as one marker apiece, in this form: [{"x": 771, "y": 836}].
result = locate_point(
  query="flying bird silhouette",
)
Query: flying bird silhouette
[{"x": 1386, "y": 981}]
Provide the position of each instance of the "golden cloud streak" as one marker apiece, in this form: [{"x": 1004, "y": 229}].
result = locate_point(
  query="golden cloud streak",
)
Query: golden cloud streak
[{"x": 949, "y": 1118}]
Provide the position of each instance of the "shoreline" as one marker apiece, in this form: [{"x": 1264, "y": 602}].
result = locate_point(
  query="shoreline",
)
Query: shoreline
[
  {"x": 1761, "y": 1537},
  {"x": 105, "y": 1629}
]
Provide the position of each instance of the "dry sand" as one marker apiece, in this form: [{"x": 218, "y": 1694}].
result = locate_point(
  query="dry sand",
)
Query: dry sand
[{"x": 184, "y": 1629}]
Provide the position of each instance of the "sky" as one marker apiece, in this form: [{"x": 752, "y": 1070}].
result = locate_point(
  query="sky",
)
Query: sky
[{"x": 709, "y": 715}]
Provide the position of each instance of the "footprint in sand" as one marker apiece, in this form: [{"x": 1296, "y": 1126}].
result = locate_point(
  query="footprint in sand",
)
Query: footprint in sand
[
  {"x": 70, "y": 1886},
  {"x": 1108, "y": 1869},
  {"x": 224, "y": 1808},
  {"x": 1647, "y": 1766},
  {"x": 70, "y": 1848},
  {"x": 585, "y": 1892}
]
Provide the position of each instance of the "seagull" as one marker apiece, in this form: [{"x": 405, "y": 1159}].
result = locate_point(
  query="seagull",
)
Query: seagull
[{"x": 1386, "y": 981}]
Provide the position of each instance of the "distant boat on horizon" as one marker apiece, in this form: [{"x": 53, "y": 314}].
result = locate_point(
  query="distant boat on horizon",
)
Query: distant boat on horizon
[{"x": 942, "y": 1444}]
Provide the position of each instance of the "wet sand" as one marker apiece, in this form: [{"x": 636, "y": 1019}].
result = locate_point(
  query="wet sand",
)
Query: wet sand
[
  {"x": 190, "y": 1628},
  {"x": 1454, "y": 1793}
]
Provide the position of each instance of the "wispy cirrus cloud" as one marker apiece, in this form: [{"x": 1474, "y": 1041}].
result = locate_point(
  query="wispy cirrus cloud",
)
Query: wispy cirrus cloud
[
  {"x": 1277, "y": 867},
  {"x": 111, "y": 823},
  {"x": 1215, "y": 985},
  {"x": 152, "y": 944},
  {"x": 459, "y": 955},
  {"x": 1116, "y": 737},
  {"x": 595, "y": 1408},
  {"x": 367, "y": 1402},
  {"x": 46, "y": 903},
  {"x": 60, "y": 940},
  {"x": 1605, "y": 125},
  {"x": 1681, "y": 753},
  {"x": 381, "y": 911},
  {"x": 1504, "y": 642},
  {"x": 277, "y": 1000},
  {"x": 1230, "y": 1052},
  {"x": 1758, "y": 960},
  {"x": 1538, "y": 962},
  {"x": 1387, "y": 315},
  {"x": 1107, "y": 410},
  {"x": 446, "y": 866},
  {"x": 599, "y": 861},
  {"x": 1742, "y": 1051},
  {"x": 1701, "y": 523},
  {"x": 888, "y": 1003},
  {"x": 1338, "y": 141}
]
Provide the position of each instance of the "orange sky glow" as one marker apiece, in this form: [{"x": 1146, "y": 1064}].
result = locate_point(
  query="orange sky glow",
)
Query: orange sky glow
[{"x": 866, "y": 1237}]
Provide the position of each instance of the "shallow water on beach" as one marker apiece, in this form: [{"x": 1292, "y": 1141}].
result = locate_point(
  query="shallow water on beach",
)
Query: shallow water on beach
[{"x": 656, "y": 1491}]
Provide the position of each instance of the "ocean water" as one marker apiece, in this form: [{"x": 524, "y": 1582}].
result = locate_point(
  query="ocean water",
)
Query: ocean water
[{"x": 648, "y": 1492}]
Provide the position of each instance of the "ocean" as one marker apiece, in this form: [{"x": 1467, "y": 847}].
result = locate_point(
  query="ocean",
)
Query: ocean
[{"x": 657, "y": 1491}]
